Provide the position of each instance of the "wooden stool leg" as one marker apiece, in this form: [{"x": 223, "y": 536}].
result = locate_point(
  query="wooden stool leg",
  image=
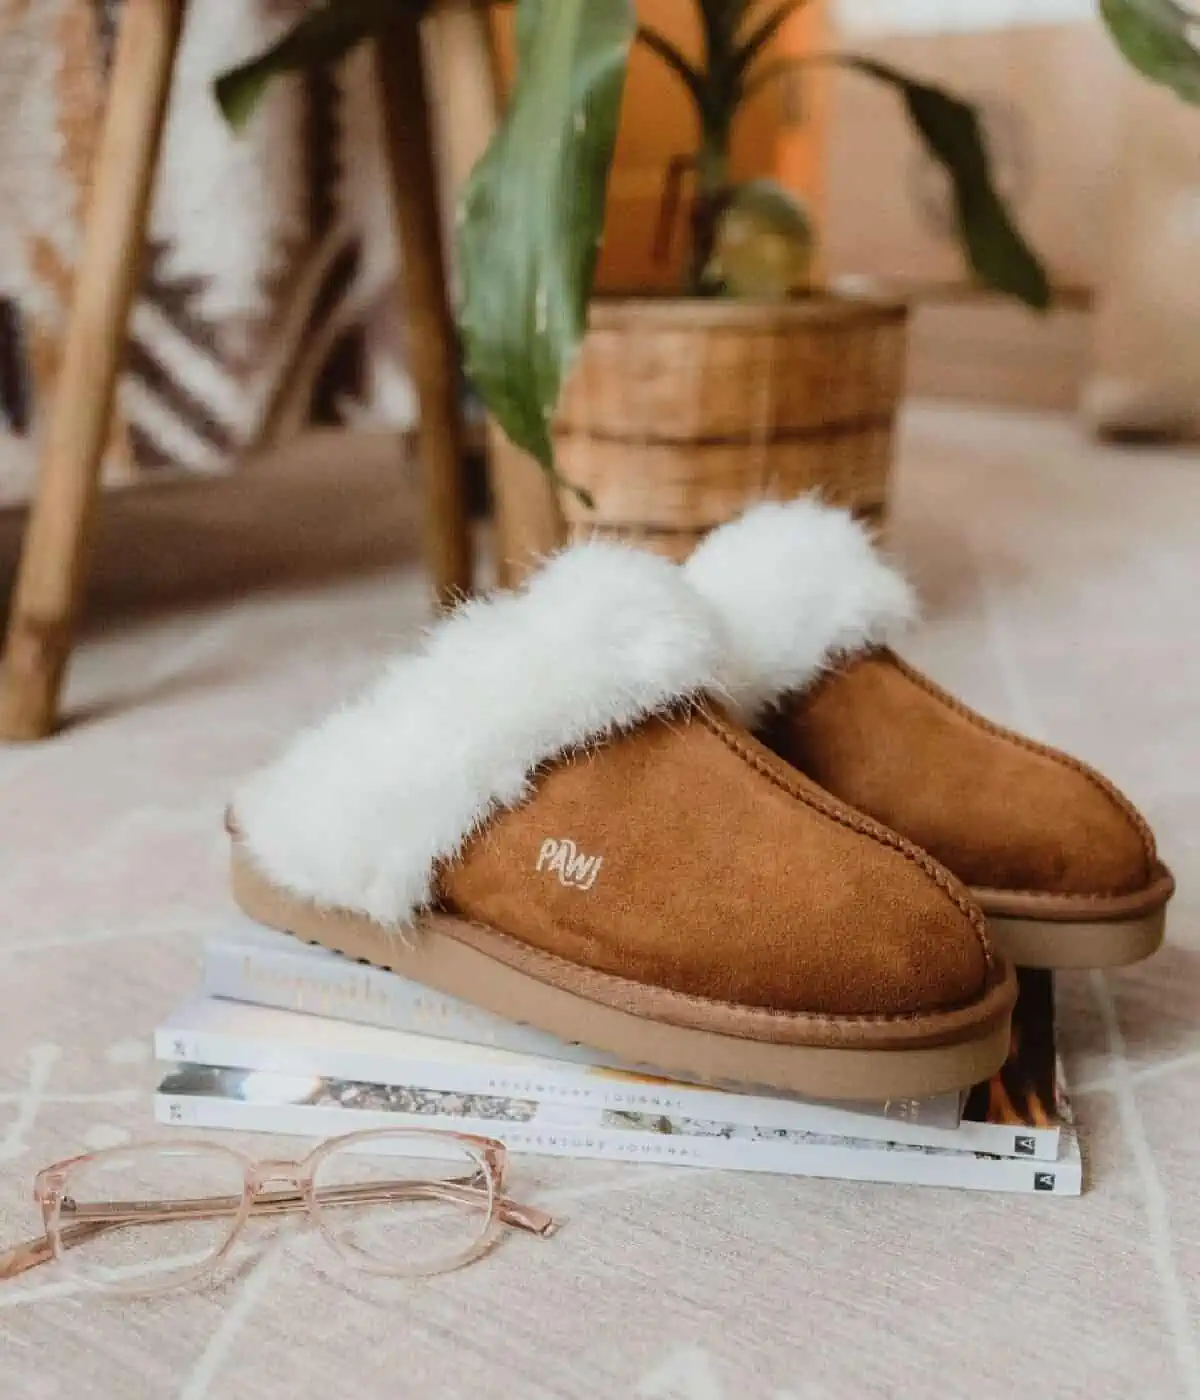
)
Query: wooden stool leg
[
  {"x": 434, "y": 349},
  {"x": 528, "y": 521},
  {"x": 53, "y": 561}
]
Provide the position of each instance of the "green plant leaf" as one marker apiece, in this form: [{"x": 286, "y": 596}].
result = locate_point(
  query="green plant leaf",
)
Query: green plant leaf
[
  {"x": 675, "y": 59},
  {"x": 995, "y": 247},
  {"x": 766, "y": 32},
  {"x": 325, "y": 34},
  {"x": 721, "y": 20},
  {"x": 532, "y": 213},
  {"x": 1161, "y": 39}
]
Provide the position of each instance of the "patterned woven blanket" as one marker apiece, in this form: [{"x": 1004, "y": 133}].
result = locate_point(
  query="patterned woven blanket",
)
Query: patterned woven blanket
[{"x": 265, "y": 300}]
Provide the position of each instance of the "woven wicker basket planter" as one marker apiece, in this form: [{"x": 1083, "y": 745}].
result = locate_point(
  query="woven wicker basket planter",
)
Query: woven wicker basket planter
[{"x": 681, "y": 413}]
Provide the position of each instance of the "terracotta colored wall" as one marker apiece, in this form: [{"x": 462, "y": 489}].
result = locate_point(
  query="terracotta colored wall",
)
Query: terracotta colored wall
[
  {"x": 803, "y": 136},
  {"x": 659, "y": 123}
]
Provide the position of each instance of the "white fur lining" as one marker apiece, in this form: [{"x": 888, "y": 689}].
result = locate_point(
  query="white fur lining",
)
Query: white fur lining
[
  {"x": 360, "y": 810},
  {"x": 798, "y": 586}
]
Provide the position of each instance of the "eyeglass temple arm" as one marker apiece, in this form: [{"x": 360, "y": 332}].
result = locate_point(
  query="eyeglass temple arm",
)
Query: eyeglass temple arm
[
  {"x": 23, "y": 1257},
  {"x": 93, "y": 1220},
  {"x": 114, "y": 1213},
  {"x": 28, "y": 1255}
]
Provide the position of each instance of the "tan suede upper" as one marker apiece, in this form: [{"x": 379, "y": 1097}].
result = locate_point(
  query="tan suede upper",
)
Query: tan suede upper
[
  {"x": 724, "y": 874},
  {"x": 1000, "y": 811}
]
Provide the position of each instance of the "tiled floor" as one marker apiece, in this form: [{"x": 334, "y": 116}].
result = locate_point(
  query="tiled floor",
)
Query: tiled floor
[{"x": 1062, "y": 585}]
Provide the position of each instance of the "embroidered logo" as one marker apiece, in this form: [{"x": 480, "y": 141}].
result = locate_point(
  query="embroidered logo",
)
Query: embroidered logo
[{"x": 567, "y": 861}]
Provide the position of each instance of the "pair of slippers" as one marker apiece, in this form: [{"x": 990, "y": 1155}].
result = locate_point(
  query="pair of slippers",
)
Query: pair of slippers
[{"x": 701, "y": 817}]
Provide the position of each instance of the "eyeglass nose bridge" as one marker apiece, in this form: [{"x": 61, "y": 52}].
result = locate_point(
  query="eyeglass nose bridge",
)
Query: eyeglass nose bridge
[{"x": 277, "y": 1173}]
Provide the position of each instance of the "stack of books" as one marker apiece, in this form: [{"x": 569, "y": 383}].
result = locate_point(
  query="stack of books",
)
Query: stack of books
[{"x": 293, "y": 1039}]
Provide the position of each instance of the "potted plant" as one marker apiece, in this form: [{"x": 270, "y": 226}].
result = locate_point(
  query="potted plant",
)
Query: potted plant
[{"x": 679, "y": 410}]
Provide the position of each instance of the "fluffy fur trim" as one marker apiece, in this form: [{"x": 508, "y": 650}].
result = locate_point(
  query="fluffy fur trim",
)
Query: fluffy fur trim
[
  {"x": 798, "y": 586},
  {"x": 360, "y": 810}
]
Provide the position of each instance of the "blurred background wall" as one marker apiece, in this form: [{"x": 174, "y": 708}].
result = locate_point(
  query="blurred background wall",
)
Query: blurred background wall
[
  {"x": 1049, "y": 84},
  {"x": 267, "y": 301},
  {"x": 1103, "y": 171}
]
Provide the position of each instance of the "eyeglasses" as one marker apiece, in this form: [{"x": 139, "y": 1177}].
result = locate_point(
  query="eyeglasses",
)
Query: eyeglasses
[{"x": 400, "y": 1203}]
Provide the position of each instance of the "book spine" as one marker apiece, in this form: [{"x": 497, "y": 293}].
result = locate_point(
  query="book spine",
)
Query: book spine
[
  {"x": 1002, "y": 1140},
  {"x": 546, "y": 1082},
  {"x": 326, "y": 985},
  {"x": 840, "y": 1160}
]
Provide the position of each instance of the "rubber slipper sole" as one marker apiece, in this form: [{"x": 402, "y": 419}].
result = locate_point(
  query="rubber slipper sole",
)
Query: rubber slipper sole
[
  {"x": 1078, "y": 931},
  {"x": 820, "y": 1057},
  {"x": 1066, "y": 946}
]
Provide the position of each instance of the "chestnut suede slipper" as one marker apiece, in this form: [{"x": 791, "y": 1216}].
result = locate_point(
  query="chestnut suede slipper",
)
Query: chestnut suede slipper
[
  {"x": 545, "y": 812},
  {"x": 1061, "y": 863}
]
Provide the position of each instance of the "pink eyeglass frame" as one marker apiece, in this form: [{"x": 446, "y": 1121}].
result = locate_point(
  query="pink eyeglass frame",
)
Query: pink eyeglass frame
[{"x": 274, "y": 1186}]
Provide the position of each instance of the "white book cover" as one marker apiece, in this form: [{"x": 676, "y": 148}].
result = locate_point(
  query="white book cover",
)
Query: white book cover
[
  {"x": 193, "y": 1096},
  {"x": 233, "y": 1035},
  {"x": 257, "y": 965}
]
